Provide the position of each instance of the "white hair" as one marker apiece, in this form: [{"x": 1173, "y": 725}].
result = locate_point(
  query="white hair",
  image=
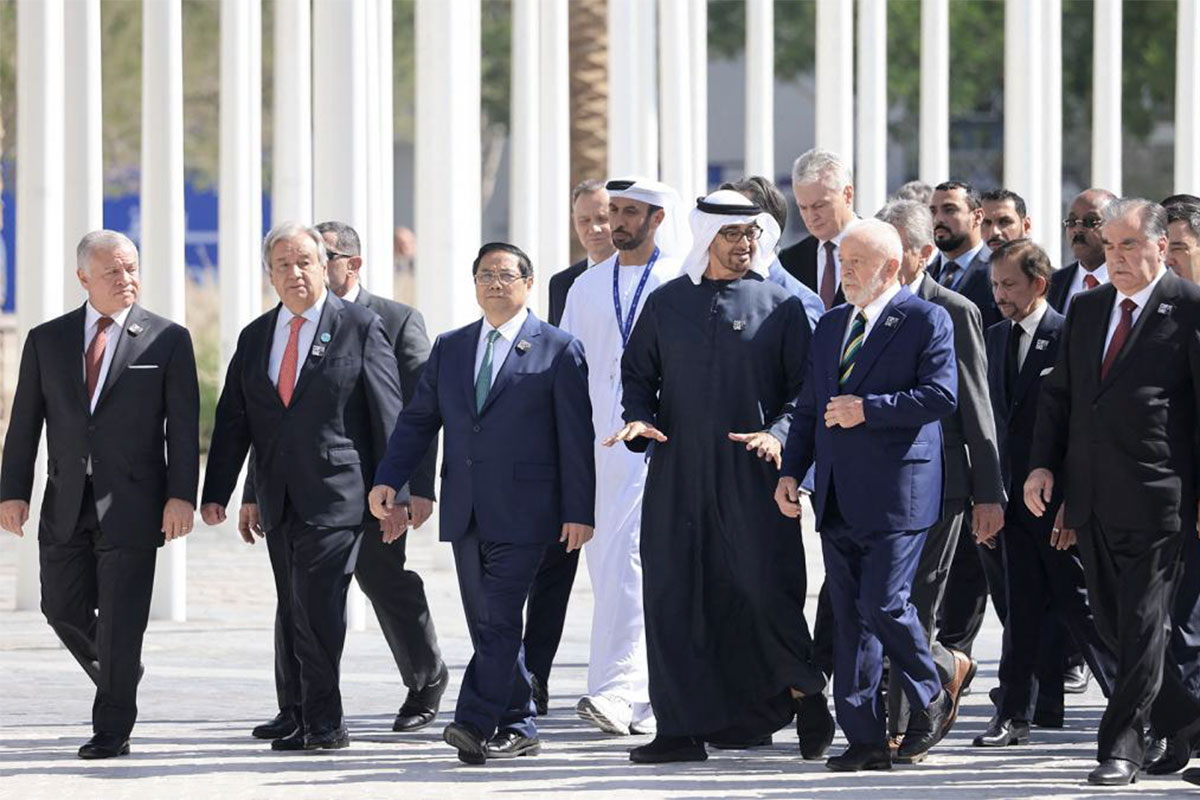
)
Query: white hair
[
  {"x": 822, "y": 166},
  {"x": 884, "y": 237},
  {"x": 288, "y": 230},
  {"x": 101, "y": 241},
  {"x": 912, "y": 219},
  {"x": 1151, "y": 217}
]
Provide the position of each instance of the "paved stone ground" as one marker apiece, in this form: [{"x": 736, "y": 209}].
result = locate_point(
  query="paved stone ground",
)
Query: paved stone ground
[{"x": 209, "y": 680}]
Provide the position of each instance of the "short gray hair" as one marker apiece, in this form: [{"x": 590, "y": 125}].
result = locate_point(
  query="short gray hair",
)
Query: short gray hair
[
  {"x": 920, "y": 191},
  {"x": 911, "y": 219},
  {"x": 288, "y": 230},
  {"x": 101, "y": 241},
  {"x": 879, "y": 233},
  {"x": 1151, "y": 217},
  {"x": 822, "y": 166},
  {"x": 586, "y": 187}
]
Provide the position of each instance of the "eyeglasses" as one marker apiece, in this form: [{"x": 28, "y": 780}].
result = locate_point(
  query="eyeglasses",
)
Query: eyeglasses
[
  {"x": 335, "y": 255},
  {"x": 1087, "y": 222},
  {"x": 503, "y": 278},
  {"x": 734, "y": 235}
]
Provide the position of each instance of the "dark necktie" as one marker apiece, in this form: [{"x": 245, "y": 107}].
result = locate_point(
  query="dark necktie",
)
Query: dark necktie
[
  {"x": 1012, "y": 363},
  {"x": 1124, "y": 326},
  {"x": 1090, "y": 282},
  {"x": 828, "y": 278},
  {"x": 853, "y": 344},
  {"x": 94, "y": 356},
  {"x": 950, "y": 271}
]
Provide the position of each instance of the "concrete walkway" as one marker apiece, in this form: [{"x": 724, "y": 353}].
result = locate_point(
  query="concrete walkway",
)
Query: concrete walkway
[{"x": 209, "y": 680}]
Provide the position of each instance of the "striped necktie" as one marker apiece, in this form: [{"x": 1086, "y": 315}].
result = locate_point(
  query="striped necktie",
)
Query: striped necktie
[
  {"x": 483, "y": 381},
  {"x": 858, "y": 329}
]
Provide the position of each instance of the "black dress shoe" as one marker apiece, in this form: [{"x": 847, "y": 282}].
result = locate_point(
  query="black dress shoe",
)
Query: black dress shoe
[
  {"x": 1176, "y": 755},
  {"x": 1076, "y": 679},
  {"x": 1002, "y": 733},
  {"x": 511, "y": 744},
  {"x": 926, "y": 728},
  {"x": 1192, "y": 775},
  {"x": 283, "y": 726},
  {"x": 421, "y": 706},
  {"x": 104, "y": 745},
  {"x": 293, "y": 742},
  {"x": 858, "y": 757},
  {"x": 814, "y": 726},
  {"x": 472, "y": 747},
  {"x": 665, "y": 749},
  {"x": 1113, "y": 772},
  {"x": 336, "y": 739},
  {"x": 750, "y": 744},
  {"x": 1156, "y": 748},
  {"x": 541, "y": 695}
]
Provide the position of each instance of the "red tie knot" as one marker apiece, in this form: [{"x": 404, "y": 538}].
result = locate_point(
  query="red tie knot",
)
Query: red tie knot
[
  {"x": 1128, "y": 305},
  {"x": 1090, "y": 282},
  {"x": 296, "y": 323},
  {"x": 103, "y": 323}
]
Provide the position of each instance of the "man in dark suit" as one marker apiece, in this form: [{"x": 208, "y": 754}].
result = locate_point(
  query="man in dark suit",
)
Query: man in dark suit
[
  {"x": 1042, "y": 574},
  {"x": 824, "y": 188},
  {"x": 881, "y": 376},
  {"x": 589, "y": 215},
  {"x": 116, "y": 389},
  {"x": 1082, "y": 227},
  {"x": 547, "y": 611},
  {"x": 962, "y": 263},
  {"x": 1116, "y": 427},
  {"x": 313, "y": 385},
  {"x": 510, "y": 393},
  {"x": 972, "y": 466}
]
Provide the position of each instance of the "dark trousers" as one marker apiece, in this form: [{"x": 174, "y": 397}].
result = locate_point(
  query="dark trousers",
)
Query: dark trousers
[
  {"x": 1185, "y": 617},
  {"x": 547, "y": 609},
  {"x": 1043, "y": 586},
  {"x": 494, "y": 579},
  {"x": 868, "y": 576},
  {"x": 312, "y": 569},
  {"x": 96, "y": 597},
  {"x": 976, "y": 573},
  {"x": 398, "y": 597},
  {"x": 1131, "y": 579},
  {"x": 928, "y": 588}
]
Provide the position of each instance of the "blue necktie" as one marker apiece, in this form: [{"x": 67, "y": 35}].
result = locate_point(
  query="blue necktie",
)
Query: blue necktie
[{"x": 483, "y": 381}]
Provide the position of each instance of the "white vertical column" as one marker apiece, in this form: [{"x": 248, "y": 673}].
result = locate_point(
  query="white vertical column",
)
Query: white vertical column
[
  {"x": 934, "y": 127},
  {"x": 1187, "y": 97},
  {"x": 525, "y": 142},
  {"x": 1024, "y": 136},
  {"x": 760, "y": 88},
  {"x": 378, "y": 241},
  {"x": 39, "y": 214},
  {"x": 676, "y": 166},
  {"x": 83, "y": 195},
  {"x": 448, "y": 191},
  {"x": 835, "y": 78},
  {"x": 292, "y": 145},
  {"x": 1045, "y": 227},
  {"x": 870, "y": 173},
  {"x": 554, "y": 208},
  {"x": 699, "y": 84},
  {"x": 162, "y": 223},
  {"x": 632, "y": 89},
  {"x": 239, "y": 267},
  {"x": 1106, "y": 96}
]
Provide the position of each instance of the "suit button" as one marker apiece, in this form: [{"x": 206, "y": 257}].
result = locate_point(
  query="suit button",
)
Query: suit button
[
  {"x": 91, "y": 427},
  {"x": 476, "y": 429},
  {"x": 468, "y": 462}
]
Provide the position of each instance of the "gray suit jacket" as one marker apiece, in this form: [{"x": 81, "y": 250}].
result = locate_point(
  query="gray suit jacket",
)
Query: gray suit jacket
[{"x": 969, "y": 434}]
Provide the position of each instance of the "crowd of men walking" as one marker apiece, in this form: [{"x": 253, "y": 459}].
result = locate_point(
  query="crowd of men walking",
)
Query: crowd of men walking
[{"x": 967, "y": 422}]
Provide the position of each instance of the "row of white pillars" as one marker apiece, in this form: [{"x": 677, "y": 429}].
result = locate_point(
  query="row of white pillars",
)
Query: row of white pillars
[
  {"x": 834, "y": 109},
  {"x": 760, "y": 88},
  {"x": 632, "y": 94},
  {"x": 1187, "y": 98},
  {"x": 870, "y": 172},
  {"x": 933, "y": 134},
  {"x": 1106, "y": 95}
]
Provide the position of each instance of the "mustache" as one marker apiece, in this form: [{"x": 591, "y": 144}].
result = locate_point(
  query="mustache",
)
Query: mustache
[
  {"x": 1079, "y": 238},
  {"x": 941, "y": 228}
]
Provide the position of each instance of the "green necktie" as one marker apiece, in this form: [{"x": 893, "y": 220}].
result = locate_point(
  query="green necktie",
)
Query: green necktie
[
  {"x": 483, "y": 381},
  {"x": 853, "y": 344}
]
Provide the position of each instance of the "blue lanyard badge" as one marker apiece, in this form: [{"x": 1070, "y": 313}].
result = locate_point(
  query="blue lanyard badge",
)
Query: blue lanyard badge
[{"x": 625, "y": 323}]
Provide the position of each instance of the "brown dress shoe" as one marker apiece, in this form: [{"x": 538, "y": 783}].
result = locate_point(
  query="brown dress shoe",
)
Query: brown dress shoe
[{"x": 965, "y": 668}]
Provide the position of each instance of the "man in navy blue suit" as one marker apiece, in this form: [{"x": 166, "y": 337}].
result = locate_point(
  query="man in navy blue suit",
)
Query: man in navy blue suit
[
  {"x": 881, "y": 375},
  {"x": 511, "y": 394}
]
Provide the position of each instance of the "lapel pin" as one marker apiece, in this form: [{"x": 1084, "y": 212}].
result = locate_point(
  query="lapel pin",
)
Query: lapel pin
[
  {"x": 1165, "y": 308},
  {"x": 739, "y": 324},
  {"x": 1041, "y": 344},
  {"x": 318, "y": 350},
  {"x": 325, "y": 337},
  {"x": 135, "y": 329},
  {"x": 891, "y": 322},
  {"x": 523, "y": 346}
]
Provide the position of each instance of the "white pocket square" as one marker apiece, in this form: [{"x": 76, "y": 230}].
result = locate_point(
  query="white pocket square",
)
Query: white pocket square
[
  {"x": 1045, "y": 372},
  {"x": 143, "y": 366}
]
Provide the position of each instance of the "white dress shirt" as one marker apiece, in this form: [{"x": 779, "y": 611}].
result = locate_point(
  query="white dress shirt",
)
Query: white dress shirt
[
  {"x": 871, "y": 312},
  {"x": 1030, "y": 325},
  {"x": 1101, "y": 274},
  {"x": 283, "y": 329},
  {"x": 837, "y": 260},
  {"x": 1141, "y": 298},
  {"x": 504, "y": 342},
  {"x": 351, "y": 294},
  {"x": 90, "y": 327}
]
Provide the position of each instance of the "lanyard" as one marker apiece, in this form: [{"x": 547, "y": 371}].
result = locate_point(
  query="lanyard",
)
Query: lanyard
[{"x": 625, "y": 324}]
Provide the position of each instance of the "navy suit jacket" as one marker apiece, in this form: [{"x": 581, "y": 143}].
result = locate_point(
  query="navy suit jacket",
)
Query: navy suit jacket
[
  {"x": 1015, "y": 407},
  {"x": 975, "y": 284},
  {"x": 886, "y": 472},
  {"x": 523, "y": 465}
]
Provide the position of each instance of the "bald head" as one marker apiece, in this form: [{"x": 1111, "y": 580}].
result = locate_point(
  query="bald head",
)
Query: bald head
[{"x": 871, "y": 251}]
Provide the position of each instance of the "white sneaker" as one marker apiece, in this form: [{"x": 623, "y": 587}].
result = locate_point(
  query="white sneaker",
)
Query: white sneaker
[
  {"x": 609, "y": 715},
  {"x": 643, "y": 722}
]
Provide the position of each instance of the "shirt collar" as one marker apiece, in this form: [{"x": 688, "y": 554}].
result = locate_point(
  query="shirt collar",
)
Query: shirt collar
[
  {"x": 352, "y": 294},
  {"x": 91, "y": 315},
  {"x": 966, "y": 259},
  {"x": 876, "y": 306},
  {"x": 510, "y": 329},
  {"x": 1101, "y": 273},
  {"x": 915, "y": 286},
  {"x": 311, "y": 314},
  {"x": 1031, "y": 322},
  {"x": 1143, "y": 296}
]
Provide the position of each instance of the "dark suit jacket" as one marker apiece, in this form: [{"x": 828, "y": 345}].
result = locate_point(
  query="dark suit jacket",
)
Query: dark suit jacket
[
  {"x": 320, "y": 452},
  {"x": 801, "y": 261},
  {"x": 969, "y": 434},
  {"x": 560, "y": 284},
  {"x": 887, "y": 472},
  {"x": 143, "y": 438},
  {"x": 1125, "y": 446},
  {"x": 1060, "y": 284},
  {"x": 975, "y": 284},
  {"x": 1015, "y": 407},
  {"x": 523, "y": 465}
]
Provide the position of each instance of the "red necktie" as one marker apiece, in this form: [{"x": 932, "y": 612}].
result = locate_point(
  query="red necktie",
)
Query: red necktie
[
  {"x": 291, "y": 357},
  {"x": 94, "y": 356},
  {"x": 1119, "y": 336},
  {"x": 1090, "y": 282},
  {"x": 828, "y": 278}
]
